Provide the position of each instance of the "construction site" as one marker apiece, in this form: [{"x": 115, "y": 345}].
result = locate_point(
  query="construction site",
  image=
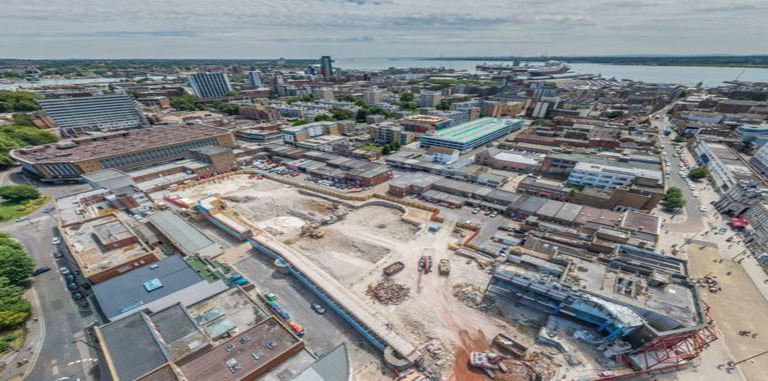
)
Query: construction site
[{"x": 410, "y": 282}]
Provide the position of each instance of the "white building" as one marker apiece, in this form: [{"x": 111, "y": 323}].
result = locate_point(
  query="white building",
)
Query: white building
[
  {"x": 442, "y": 155},
  {"x": 324, "y": 93},
  {"x": 606, "y": 176},
  {"x": 209, "y": 85},
  {"x": 430, "y": 98},
  {"x": 374, "y": 96}
]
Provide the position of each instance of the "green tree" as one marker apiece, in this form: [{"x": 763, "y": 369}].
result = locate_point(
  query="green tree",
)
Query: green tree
[
  {"x": 698, "y": 173},
  {"x": 407, "y": 97},
  {"x": 227, "y": 108},
  {"x": 386, "y": 150},
  {"x": 14, "y": 309},
  {"x": 341, "y": 114},
  {"x": 19, "y": 193},
  {"x": 673, "y": 199},
  {"x": 18, "y": 101},
  {"x": 186, "y": 102},
  {"x": 299, "y": 122},
  {"x": 680, "y": 139},
  {"x": 395, "y": 146},
  {"x": 323, "y": 118}
]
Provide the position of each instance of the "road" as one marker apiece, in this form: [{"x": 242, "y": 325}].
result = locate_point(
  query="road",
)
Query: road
[
  {"x": 62, "y": 354},
  {"x": 323, "y": 332}
]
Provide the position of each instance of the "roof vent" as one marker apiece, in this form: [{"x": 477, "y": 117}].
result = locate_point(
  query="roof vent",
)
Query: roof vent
[{"x": 66, "y": 144}]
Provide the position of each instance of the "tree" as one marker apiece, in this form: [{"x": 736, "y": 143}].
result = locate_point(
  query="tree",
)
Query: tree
[
  {"x": 227, "y": 108},
  {"x": 395, "y": 146},
  {"x": 15, "y": 264},
  {"x": 680, "y": 139},
  {"x": 18, "y": 101},
  {"x": 444, "y": 105},
  {"x": 323, "y": 118},
  {"x": 19, "y": 193},
  {"x": 299, "y": 122},
  {"x": 186, "y": 102},
  {"x": 698, "y": 173},
  {"x": 14, "y": 309},
  {"x": 386, "y": 150},
  {"x": 407, "y": 97},
  {"x": 341, "y": 114},
  {"x": 673, "y": 199}
]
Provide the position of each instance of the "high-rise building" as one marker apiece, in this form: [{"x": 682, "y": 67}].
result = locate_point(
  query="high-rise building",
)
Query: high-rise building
[
  {"x": 326, "y": 66},
  {"x": 373, "y": 96},
  {"x": 209, "y": 85},
  {"x": 99, "y": 113},
  {"x": 430, "y": 98},
  {"x": 255, "y": 78}
]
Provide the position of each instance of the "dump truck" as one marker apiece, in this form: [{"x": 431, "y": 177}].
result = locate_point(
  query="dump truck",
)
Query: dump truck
[
  {"x": 394, "y": 268},
  {"x": 444, "y": 268}
]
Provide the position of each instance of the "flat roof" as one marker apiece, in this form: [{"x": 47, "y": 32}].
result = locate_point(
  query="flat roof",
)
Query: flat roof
[
  {"x": 185, "y": 236},
  {"x": 131, "y": 347},
  {"x": 120, "y": 143},
  {"x": 85, "y": 241},
  {"x": 128, "y": 291},
  {"x": 467, "y": 132},
  {"x": 247, "y": 352}
]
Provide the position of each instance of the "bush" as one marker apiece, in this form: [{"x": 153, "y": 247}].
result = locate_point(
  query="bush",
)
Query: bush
[
  {"x": 4, "y": 346},
  {"x": 19, "y": 193},
  {"x": 698, "y": 173},
  {"x": 9, "y": 338}
]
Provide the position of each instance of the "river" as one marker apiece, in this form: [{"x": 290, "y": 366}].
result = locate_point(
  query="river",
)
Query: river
[{"x": 686, "y": 75}]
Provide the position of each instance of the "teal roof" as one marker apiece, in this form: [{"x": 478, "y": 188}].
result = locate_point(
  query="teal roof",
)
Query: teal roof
[{"x": 467, "y": 132}]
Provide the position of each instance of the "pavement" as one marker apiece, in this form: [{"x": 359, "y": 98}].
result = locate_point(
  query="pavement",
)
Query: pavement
[{"x": 57, "y": 346}]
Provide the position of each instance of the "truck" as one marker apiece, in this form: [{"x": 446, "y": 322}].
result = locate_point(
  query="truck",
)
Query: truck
[{"x": 444, "y": 268}]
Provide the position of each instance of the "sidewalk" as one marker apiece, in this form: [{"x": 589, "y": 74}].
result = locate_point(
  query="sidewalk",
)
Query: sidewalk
[{"x": 31, "y": 348}]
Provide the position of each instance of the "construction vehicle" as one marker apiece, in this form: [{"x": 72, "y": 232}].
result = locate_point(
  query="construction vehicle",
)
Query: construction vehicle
[
  {"x": 316, "y": 233},
  {"x": 394, "y": 268},
  {"x": 444, "y": 268},
  {"x": 510, "y": 345},
  {"x": 488, "y": 362}
]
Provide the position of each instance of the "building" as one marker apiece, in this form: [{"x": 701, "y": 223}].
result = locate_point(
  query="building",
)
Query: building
[
  {"x": 757, "y": 233},
  {"x": 68, "y": 160},
  {"x": 536, "y": 186},
  {"x": 455, "y": 116},
  {"x": 295, "y": 134},
  {"x": 98, "y": 113},
  {"x": 374, "y": 95},
  {"x": 390, "y": 132},
  {"x": 254, "y": 77},
  {"x": 610, "y": 177},
  {"x": 725, "y": 165},
  {"x": 258, "y": 112},
  {"x": 442, "y": 155},
  {"x": 161, "y": 102},
  {"x": 430, "y": 98},
  {"x": 104, "y": 247},
  {"x": 183, "y": 236},
  {"x": 325, "y": 143},
  {"x": 424, "y": 123},
  {"x": 325, "y": 93},
  {"x": 751, "y": 133},
  {"x": 742, "y": 196},
  {"x": 526, "y": 162},
  {"x": 326, "y": 67},
  {"x": 154, "y": 288},
  {"x": 468, "y": 136},
  {"x": 210, "y": 85}
]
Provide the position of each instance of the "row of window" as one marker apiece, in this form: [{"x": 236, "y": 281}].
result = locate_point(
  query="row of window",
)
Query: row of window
[{"x": 155, "y": 154}]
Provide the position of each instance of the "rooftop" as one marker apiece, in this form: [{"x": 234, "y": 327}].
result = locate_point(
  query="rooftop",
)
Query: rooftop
[
  {"x": 182, "y": 234},
  {"x": 467, "y": 132},
  {"x": 121, "y": 143}
]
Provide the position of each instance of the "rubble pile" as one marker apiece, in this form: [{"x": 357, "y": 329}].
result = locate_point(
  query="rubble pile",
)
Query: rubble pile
[
  {"x": 708, "y": 282},
  {"x": 387, "y": 292},
  {"x": 434, "y": 362},
  {"x": 472, "y": 296}
]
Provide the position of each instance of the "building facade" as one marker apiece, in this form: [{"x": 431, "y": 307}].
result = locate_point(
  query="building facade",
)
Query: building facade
[
  {"x": 468, "y": 136},
  {"x": 99, "y": 113},
  {"x": 210, "y": 85},
  {"x": 326, "y": 67}
]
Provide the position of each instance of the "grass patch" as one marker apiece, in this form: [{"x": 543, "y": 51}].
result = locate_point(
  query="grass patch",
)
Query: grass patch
[
  {"x": 370, "y": 147},
  {"x": 12, "y": 210},
  {"x": 13, "y": 338},
  {"x": 199, "y": 266}
]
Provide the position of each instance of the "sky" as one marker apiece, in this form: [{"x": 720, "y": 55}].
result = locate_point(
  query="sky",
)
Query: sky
[{"x": 378, "y": 28}]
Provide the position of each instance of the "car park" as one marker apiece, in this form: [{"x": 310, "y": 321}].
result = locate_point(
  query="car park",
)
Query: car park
[{"x": 40, "y": 270}]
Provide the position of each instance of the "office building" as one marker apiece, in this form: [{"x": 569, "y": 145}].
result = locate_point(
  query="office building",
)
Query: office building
[
  {"x": 609, "y": 177},
  {"x": 424, "y": 123},
  {"x": 468, "y": 136},
  {"x": 68, "y": 160},
  {"x": 295, "y": 134},
  {"x": 254, "y": 77},
  {"x": 99, "y": 113},
  {"x": 326, "y": 67},
  {"x": 753, "y": 133},
  {"x": 324, "y": 93},
  {"x": 725, "y": 165},
  {"x": 210, "y": 85},
  {"x": 373, "y": 96},
  {"x": 430, "y": 98},
  {"x": 760, "y": 160},
  {"x": 389, "y": 132}
]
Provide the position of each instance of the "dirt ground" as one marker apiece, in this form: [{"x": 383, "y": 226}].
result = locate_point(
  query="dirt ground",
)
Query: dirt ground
[{"x": 739, "y": 306}]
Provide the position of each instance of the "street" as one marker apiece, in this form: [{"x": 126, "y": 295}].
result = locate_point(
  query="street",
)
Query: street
[{"x": 58, "y": 342}]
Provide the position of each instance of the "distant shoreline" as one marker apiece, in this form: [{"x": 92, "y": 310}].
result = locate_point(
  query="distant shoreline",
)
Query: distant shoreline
[{"x": 760, "y": 62}]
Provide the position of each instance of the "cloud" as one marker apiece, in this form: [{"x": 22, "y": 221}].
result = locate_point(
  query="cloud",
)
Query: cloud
[{"x": 358, "y": 28}]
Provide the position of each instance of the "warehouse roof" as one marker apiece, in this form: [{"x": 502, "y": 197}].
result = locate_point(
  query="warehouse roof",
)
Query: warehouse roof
[
  {"x": 180, "y": 232},
  {"x": 467, "y": 132}
]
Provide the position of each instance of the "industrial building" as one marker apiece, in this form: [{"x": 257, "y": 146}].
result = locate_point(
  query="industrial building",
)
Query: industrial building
[
  {"x": 468, "y": 136},
  {"x": 105, "y": 113},
  {"x": 68, "y": 160},
  {"x": 182, "y": 236}
]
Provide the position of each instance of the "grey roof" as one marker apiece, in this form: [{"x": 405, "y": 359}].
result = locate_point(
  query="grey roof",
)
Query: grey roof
[
  {"x": 334, "y": 366},
  {"x": 125, "y": 292},
  {"x": 532, "y": 204},
  {"x": 550, "y": 208},
  {"x": 132, "y": 347},
  {"x": 180, "y": 232}
]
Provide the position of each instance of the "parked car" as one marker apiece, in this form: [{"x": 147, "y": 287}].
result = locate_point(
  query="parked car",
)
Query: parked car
[
  {"x": 58, "y": 254},
  {"x": 40, "y": 270},
  {"x": 270, "y": 296},
  {"x": 318, "y": 308},
  {"x": 64, "y": 270},
  {"x": 77, "y": 295},
  {"x": 55, "y": 240},
  {"x": 72, "y": 286}
]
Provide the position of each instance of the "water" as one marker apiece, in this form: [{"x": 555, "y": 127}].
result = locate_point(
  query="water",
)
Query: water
[{"x": 686, "y": 75}]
